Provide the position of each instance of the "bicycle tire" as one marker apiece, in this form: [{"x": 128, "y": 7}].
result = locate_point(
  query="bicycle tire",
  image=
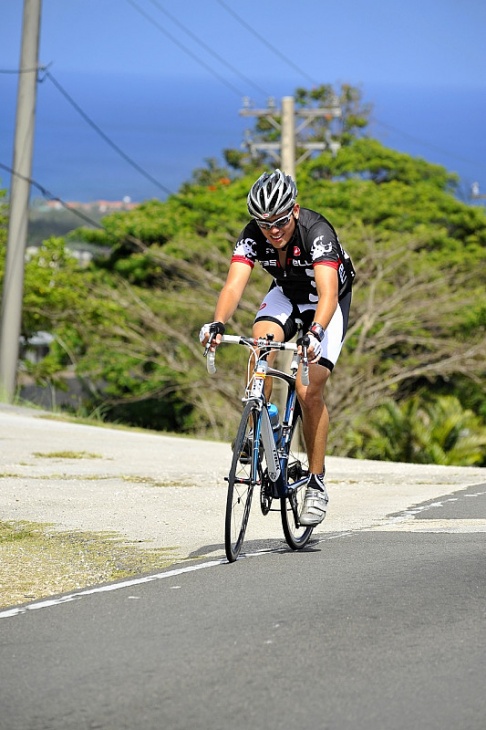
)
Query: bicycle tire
[
  {"x": 296, "y": 535},
  {"x": 241, "y": 483}
]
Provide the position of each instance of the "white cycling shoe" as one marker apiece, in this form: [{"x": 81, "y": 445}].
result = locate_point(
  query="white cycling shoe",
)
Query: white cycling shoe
[{"x": 315, "y": 502}]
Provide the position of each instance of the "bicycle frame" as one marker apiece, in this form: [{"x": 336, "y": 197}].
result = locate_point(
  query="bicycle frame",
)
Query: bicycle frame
[
  {"x": 276, "y": 458},
  {"x": 257, "y": 460}
]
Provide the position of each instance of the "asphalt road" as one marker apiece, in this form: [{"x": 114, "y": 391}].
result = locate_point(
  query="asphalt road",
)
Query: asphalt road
[
  {"x": 379, "y": 624},
  {"x": 368, "y": 628}
]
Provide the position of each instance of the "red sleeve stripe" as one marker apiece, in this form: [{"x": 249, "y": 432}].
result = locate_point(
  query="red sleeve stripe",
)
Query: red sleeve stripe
[
  {"x": 332, "y": 264},
  {"x": 242, "y": 260}
]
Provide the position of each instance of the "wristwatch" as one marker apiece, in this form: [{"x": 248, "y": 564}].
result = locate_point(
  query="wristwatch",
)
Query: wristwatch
[{"x": 317, "y": 330}]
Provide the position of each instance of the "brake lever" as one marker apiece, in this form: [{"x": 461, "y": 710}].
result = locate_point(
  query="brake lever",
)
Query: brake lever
[
  {"x": 305, "y": 360},
  {"x": 210, "y": 356}
]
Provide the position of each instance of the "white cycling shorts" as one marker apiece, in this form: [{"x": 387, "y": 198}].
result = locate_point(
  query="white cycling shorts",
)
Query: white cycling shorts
[{"x": 278, "y": 308}]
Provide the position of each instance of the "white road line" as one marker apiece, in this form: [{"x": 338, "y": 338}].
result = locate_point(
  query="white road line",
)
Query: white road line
[
  {"x": 106, "y": 588},
  {"x": 445, "y": 525},
  {"x": 59, "y": 600},
  {"x": 404, "y": 522}
]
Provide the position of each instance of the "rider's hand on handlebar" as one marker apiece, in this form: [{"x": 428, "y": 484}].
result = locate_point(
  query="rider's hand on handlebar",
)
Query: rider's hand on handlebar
[
  {"x": 314, "y": 347},
  {"x": 211, "y": 333}
]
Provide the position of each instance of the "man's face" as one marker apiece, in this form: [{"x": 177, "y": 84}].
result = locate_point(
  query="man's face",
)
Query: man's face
[{"x": 283, "y": 229}]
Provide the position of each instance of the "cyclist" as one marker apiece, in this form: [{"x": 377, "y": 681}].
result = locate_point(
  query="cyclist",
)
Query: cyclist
[{"x": 312, "y": 280}]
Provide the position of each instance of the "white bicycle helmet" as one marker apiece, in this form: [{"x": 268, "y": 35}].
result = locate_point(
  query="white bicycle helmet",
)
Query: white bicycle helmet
[{"x": 272, "y": 194}]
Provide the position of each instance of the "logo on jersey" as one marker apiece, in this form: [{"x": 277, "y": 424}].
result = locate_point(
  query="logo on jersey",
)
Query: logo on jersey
[
  {"x": 246, "y": 247},
  {"x": 296, "y": 251},
  {"x": 319, "y": 248}
]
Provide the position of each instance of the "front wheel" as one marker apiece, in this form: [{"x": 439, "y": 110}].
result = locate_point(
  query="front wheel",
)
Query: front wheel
[
  {"x": 296, "y": 535},
  {"x": 241, "y": 482}
]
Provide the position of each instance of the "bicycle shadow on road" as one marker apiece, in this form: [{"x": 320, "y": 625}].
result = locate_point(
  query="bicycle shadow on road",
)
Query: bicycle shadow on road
[{"x": 254, "y": 547}]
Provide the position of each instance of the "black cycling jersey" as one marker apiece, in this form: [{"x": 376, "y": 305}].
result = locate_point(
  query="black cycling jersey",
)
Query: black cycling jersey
[{"x": 315, "y": 242}]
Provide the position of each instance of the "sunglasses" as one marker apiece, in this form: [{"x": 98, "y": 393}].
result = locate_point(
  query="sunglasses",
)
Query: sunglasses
[{"x": 279, "y": 223}]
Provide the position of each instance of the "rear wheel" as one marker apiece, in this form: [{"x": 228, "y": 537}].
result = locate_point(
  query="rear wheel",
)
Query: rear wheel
[
  {"x": 241, "y": 482},
  {"x": 297, "y": 535}
]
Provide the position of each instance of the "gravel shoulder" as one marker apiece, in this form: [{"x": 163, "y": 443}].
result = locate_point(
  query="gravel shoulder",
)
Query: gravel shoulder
[{"x": 105, "y": 503}]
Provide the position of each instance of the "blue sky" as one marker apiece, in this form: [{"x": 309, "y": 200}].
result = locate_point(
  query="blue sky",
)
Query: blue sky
[
  {"x": 423, "y": 42},
  {"x": 423, "y": 48}
]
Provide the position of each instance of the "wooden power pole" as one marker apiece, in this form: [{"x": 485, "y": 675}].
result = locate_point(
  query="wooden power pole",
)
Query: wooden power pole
[
  {"x": 284, "y": 151},
  {"x": 13, "y": 283}
]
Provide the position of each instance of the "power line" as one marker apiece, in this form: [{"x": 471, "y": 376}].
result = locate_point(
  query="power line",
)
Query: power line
[
  {"x": 303, "y": 73},
  {"x": 18, "y": 70},
  {"x": 99, "y": 131},
  {"x": 50, "y": 196},
  {"x": 208, "y": 48},
  {"x": 223, "y": 80},
  {"x": 184, "y": 48},
  {"x": 79, "y": 213},
  {"x": 422, "y": 142},
  {"x": 266, "y": 42},
  {"x": 94, "y": 126}
]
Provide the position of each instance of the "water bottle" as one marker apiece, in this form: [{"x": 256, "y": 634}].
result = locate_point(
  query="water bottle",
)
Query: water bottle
[{"x": 275, "y": 421}]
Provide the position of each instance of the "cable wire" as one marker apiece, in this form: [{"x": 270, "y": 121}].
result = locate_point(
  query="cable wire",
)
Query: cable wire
[
  {"x": 50, "y": 196},
  {"x": 267, "y": 43},
  {"x": 422, "y": 142},
  {"x": 303, "y": 73},
  {"x": 208, "y": 48},
  {"x": 99, "y": 131},
  {"x": 86, "y": 218},
  {"x": 184, "y": 48},
  {"x": 18, "y": 70}
]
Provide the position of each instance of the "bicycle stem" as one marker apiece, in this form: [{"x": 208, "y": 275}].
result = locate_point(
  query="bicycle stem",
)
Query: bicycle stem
[{"x": 253, "y": 344}]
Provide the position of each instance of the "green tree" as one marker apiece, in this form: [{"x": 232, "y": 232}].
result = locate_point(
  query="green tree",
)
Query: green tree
[
  {"x": 345, "y": 128},
  {"x": 418, "y": 316},
  {"x": 344, "y": 116},
  {"x": 424, "y": 431},
  {"x": 129, "y": 324}
]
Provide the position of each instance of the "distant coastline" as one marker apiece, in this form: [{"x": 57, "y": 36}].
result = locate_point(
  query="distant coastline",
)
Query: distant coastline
[
  {"x": 170, "y": 132},
  {"x": 100, "y": 206}
]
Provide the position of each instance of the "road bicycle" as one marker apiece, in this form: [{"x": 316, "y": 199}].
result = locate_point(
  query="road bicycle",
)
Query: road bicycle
[{"x": 269, "y": 457}]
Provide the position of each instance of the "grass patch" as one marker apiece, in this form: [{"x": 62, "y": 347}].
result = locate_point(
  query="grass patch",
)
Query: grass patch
[
  {"x": 152, "y": 482},
  {"x": 131, "y": 478},
  {"x": 67, "y": 455},
  {"x": 12, "y": 532},
  {"x": 38, "y": 562}
]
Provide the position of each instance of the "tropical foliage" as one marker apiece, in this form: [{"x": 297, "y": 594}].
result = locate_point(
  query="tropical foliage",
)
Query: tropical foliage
[
  {"x": 421, "y": 430},
  {"x": 410, "y": 382}
]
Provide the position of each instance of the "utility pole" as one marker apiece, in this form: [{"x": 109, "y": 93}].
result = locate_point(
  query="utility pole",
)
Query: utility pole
[
  {"x": 284, "y": 152},
  {"x": 288, "y": 136},
  {"x": 13, "y": 284}
]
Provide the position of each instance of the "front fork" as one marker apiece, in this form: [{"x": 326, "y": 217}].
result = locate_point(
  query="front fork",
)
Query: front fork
[{"x": 275, "y": 458}]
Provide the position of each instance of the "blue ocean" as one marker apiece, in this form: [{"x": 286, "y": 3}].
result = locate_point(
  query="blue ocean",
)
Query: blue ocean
[{"x": 168, "y": 129}]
